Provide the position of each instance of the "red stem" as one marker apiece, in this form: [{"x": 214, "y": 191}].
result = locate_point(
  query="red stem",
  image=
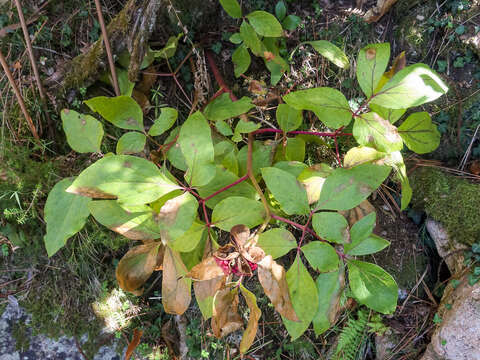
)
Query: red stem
[
  {"x": 243, "y": 178},
  {"x": 314, "y": 133},
  {"x": 304, "y": 230},
  {"x": 218, "y": 77}
]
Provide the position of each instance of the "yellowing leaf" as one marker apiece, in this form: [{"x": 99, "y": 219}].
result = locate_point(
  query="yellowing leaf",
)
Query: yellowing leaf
[
  {"x": 225, "y": 318},
  {"x": 360, "y": 155},
  {"x": 176, "y": 295},
  {"x": 205, "y": 292},
  {"x": 136, "y": 266},
  {"x": 255, "y": 313},
  {"x": 208, "y": 269},
  {"x": 272, "y": 278}
]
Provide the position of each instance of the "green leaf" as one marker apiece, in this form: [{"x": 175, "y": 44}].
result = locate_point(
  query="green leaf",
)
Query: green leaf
[
  {"x": 241, "y": 60},
  {"x": 419, "y": 134},
  {"x": 363, "y": 228},
  {"x": 346, "y": 188},
  {"x": 329, "y": 286},
  {"x": 372, "y": 62},
  {"x": 223, "y": 108},
  {"x": 262, "y": 156},
  {"x": 174, "y": 154},
  {"x": 276, "y": 70},
  {"x": 392, "y": 115},
  {"x": 133, "y": 180},
  {"x": 244, "y": 127},
  {"x": 304, "y": 296},
  {"x": 134, "y": 222},
  {"x": 177, "y": 216},
  {"x": 372, "y": 286},
  {"x": 412, "y": 86},
  {"x": 232, "y": 8},
  {"x": 287, "y": 191},
  {"x": 250, "y": 39},
  {"x": 331, "y": 226},
  {"x": 222, "y": 179},
  {"x": 165, "y": 121},
  {"x": 131, "y": 143},
  {"x": 370, "y": 245},
  {"x": 121, "y": 111},
  {"x": 313, "y": 179},
  {"x": 331, "y": 52},
  {"x": 65, "y": 215},
  {"x": 84, "y": 132},
  {"x": 295, "y": 149},
  {"x": 361, "y": 155},
  {"x": 321, "y": 256},
  {"x": 190, "y": 239},
  {"x": 169, "y": 49},
  {"x": 328, "y": 104},
  {"x": 226, "y": 155},
  {"x": 236, "y": 39},
  {"x": 237, "y": 210},
  {"x": 372, "y": 130},
  {"x": 288, "y": 118},
  {"x": 395, "y": 160},
  {"x": 124, "y": 83},
  {"x": 195, "y": 140},
  {"x": 293, "y": 167},
  {"x": 223, "y": 128},
  {"x": 291, "y": 22},
  {"x": 277, "y": 242},
  {"x": 280, "y": 10},
  {"x": 265, "y": 24}
]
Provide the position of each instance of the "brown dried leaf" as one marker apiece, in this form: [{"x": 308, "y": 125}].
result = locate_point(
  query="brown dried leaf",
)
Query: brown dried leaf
[
  {"x": 252, "y": 326},
  {"x": 205, "y": 292},
  {"x": 272, "y": 278},
  {"x": 375, "y": 13},
  {"x": 225, "y": 317},
  {"x": 136, "y": 266},
  {"x": 149, "y": 77},
  {"x": 176, "y": 286},
  {"x": 142, "y": 100},
  {"x": 137, "y": 334},
  {"x": 208, "y": 269},
  {"x": 398, "y": 64},
  {"x": 240, "y": 234},
  {"x": 358, "y": 212}
]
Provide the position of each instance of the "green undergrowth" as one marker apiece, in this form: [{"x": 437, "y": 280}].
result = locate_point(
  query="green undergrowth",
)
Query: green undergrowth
[{"x": 451, "y": 200}]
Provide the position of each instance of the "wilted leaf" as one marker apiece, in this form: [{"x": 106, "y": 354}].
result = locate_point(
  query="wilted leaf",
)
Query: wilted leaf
[
  {"x": 287, "y": 190},
  {"x": 274, "y": 283},
  {"x": 331, "y": 52},
  {"x": 237, "y": 210},
  {"x": 358, "y": 212},
  {"x": 133, "y": 222},
  {"x": 419, "y": 134},
  {"x": 331, "y": 226},
  {"x": 313, "y": 179},
  {"x": 328, "y": 104},
  {"x": 165, "y": 121},
  {"x": 252, "y": 326},
  {"x": 136, "y": 266},
  {"x": 65, "y": 215},
  {"x": 205, "y": 292},
  {"x": 372, "y": 62},
  {"x": 321, "y": 256},
  {"x": 276, "y": 242},
  {"x": 133, "y": 180},
  {"x": 372, "y": 286},
  {"x": 225, "y": 317},
  {"x": 208, "y": 269},
  {"x": 375, "y": 13},
  {"x": 176, "y": 286},
  {"x": 330, "y": 287},
  {"x": 303, "y": 293},
  {"x": 265, "y": 24},
  {"x": 84, "y": 132},
  {"x": 121, "y": 111},
  {"x": 361, "y": 155},
  {"x": 195, "y": 140},
  {"x": 371, "y": 129},
  {"x": 131, "y": 143}
]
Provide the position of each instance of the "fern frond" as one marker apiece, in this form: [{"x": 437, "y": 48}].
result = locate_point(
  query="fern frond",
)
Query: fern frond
[{"x": 352, "y": 337}]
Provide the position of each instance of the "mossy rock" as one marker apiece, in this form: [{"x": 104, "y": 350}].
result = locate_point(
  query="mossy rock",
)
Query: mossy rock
[{"x": 449, "y": 199}]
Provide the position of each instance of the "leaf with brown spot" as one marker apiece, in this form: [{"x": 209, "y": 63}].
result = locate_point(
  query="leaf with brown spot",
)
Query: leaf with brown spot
[
  {"x": 208, "y": 269},
  {"x": 205, "y": 292},
  {"x": 225, "y": 317},
  {"x": 136, "y": 266},
  {"x": 137, "y": 334},
  {"x": 252, "y": 326},
  {"x": 272, "y": 278},
  {"x": 176, "y": 216},
  {"x": 358, "y": 212},
  {"x": 176, "y": 286}
]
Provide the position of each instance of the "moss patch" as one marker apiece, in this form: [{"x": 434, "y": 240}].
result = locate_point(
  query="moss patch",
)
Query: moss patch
[{"x": 450, "y": 200}]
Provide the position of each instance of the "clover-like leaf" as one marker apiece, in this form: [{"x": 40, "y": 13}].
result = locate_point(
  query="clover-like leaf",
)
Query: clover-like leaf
[
  {"x": 84, "y": 132},
  {"x": 65, "y": 215},
  {"x": 122, "y": 111}
]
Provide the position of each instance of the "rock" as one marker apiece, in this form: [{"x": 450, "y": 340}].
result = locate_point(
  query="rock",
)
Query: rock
[
  {"x": 36, "y": 347},
  {"x": 450, "y": 251},
  {"x": 457, "y": 337}
]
